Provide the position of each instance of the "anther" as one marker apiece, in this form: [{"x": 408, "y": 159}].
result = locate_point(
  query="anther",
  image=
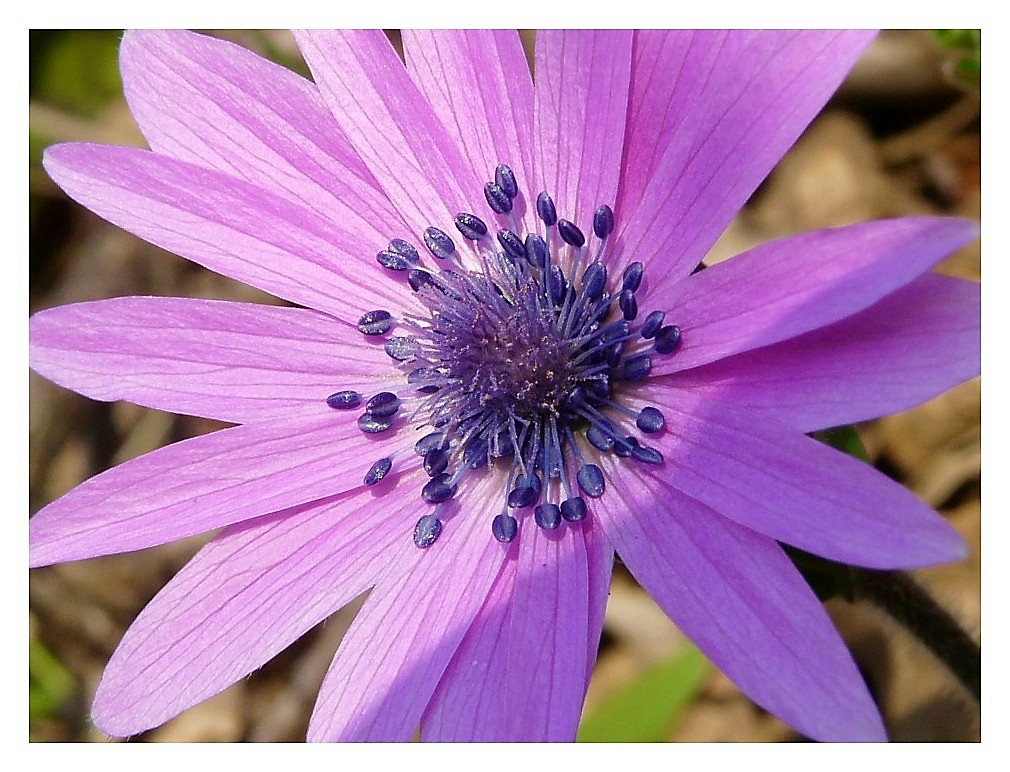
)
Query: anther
[
  {"x": 427, "y": 531},
  {"x": 471, "y": 226},
  {"x": 436, "y": 461},
  {"x": 400, "y": 349},
  {"x": 375, "y": 323},
  {"x": 383, "y": 404},
  {"x": 632, "y": 278},
  {"x": 536, "y": 251},
  {"x": 668, "y": 339},
  {"x": 591, "y": 482},
  {"x": 497, "y": 198},
  {"x": 546, "y": 210},
  {"x": 603, "y": 222},
  {"x": 573, "y": 509},
  {"x": 378, "y": 470},
  {"x": 570, "y": 233},
  {"x": 438, "y": 489},
  {"x": 637, "y": 367},
  {"x": 652, "y": 324},
  {"x": 372, "y": 424},
  {"x": 439, "y": 243},
  {"x": 504, "y": 527},
  {"x": 344, "y": 400},
  {"x": 506, "y": 180},
  {"x": 512, "y": 244},
  {"x": 650, "y": 420},
  {"x": 628, "y": 304},
  {"x": 547, "y": 516},
  {"x": 594, "y": 280},
  {"x": 647, "y": 455},
  {"x": 407, "y": 250},
  {"x": 429, "y": 442},
  {"x": 392, "y": 261},
  {"x": 417, "y": 278}
]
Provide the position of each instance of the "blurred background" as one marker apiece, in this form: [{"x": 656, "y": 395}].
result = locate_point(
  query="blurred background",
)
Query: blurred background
[{"x": 901, "y": 137}]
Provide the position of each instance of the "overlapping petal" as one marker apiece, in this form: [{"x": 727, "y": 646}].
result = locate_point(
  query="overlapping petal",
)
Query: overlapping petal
[
  {"x": 913, "y": 345},
  {"x": 246, "y": 596},
  {"x": 776, "y": 481},
  {"x": 234, "y": 362},
  {"x": 740, "y": 599},
  {"x": 201, "y": 484},
  {"x": 225, "y": 224},
  {"x": 788, "y": 287},
  {"x": 478, "y": 82},
  {"x": 394, "y": 654},
  {"x": 216, "y": 104},
  {"x": 581, "y": 91},
  {"x": 391, "y": 125},
  {"x": 544, "y": 606},
  {"x": 737, "y": 125}
]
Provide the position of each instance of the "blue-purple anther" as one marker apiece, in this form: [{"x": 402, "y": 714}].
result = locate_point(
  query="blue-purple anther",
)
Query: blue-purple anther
[{"x": 524, "y": 363}]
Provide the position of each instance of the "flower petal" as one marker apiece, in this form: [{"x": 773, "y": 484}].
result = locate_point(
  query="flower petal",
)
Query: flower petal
[
  {"x": 913, "y": 345},
  {"x": 234, "y": 362},
  {"x": 774, "y": 480},
  {"x": 788, "y": 287},
  {"x": 581, "y": 88},
  {"x": 245, "y": 597},
  {"x": 765, "y": 87},
  {"x": 521, "y": 672},
  {"x": 201, "y": 484},
  {"x": 392, "y": 658},
  {"x": 391, "y": 125},
  {"x": 478, "y": 82},
  {"x": 216, "y": 104},
  {"x": 735, "y": 594},
  {"x": 225, "y": 224},
  {"x": 670, "y": 70}
]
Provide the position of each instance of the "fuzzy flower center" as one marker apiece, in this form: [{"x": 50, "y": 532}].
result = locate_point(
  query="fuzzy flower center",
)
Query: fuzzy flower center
[{"x": 525, "y": 358}]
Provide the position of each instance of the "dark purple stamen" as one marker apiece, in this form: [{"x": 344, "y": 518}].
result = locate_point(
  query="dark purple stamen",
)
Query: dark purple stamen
[
  {"x": 439, "y": 243},
  {"x": 375, "y": 323},
  {"x": 570, "y": 233},
  {"x": 344, "y": 400},
  {"x": 546, "y": 210},
  {"x": 378, "y": 470},
  {"x": 504, "y": 528},
  {"x": 427, "y": 531},
  {"x": 522, "y": 357}
]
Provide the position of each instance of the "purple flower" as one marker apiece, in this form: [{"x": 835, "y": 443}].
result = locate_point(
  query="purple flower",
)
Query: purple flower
[{"x": 503, "y": 370}]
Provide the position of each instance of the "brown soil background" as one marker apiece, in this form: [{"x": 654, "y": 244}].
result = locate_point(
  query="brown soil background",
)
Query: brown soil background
[{"x": 900, "y": 138}]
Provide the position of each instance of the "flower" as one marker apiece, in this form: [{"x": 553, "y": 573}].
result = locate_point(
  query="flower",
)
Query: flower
[{"x": 474, "y": 433}]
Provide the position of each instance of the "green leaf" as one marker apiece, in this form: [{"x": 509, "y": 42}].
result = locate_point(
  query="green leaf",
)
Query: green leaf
[
  {"x": 648, "y": 708},
  {"x": 845, "y": 439},
  {"x": 49, "y": 683}
]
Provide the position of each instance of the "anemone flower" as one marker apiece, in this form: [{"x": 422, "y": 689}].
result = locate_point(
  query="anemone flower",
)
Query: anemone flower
[{"x": 498, "y": 366}]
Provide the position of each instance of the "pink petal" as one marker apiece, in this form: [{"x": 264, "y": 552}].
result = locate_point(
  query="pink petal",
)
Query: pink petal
[
  {"x": 245, "y": 597},
  {"x": 788, "y": 287},
  {"x": 392, "y": 658},
  {"x": 776, "y": 481},
  {"x": 215, "y": 104},
  {"x": 670, "y": 70},
  {"x": 582, "y": 81},
  {"x": 478, "y": 82},
  {"x": 391, "y": 125},
  {"x": 521, "y": 672},
  {"x": 909, "y": 347},
  {"x": 764, "y": 90},
  {"x": 740, "y": 600},
  {"x": 201, "y": 484},
  {"x": 235, "y": 362},
  {"x": 227, "y": 225}
]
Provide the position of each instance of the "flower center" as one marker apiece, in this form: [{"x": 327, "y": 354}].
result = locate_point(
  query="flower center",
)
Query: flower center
[{"x": 525, "y": 358}]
